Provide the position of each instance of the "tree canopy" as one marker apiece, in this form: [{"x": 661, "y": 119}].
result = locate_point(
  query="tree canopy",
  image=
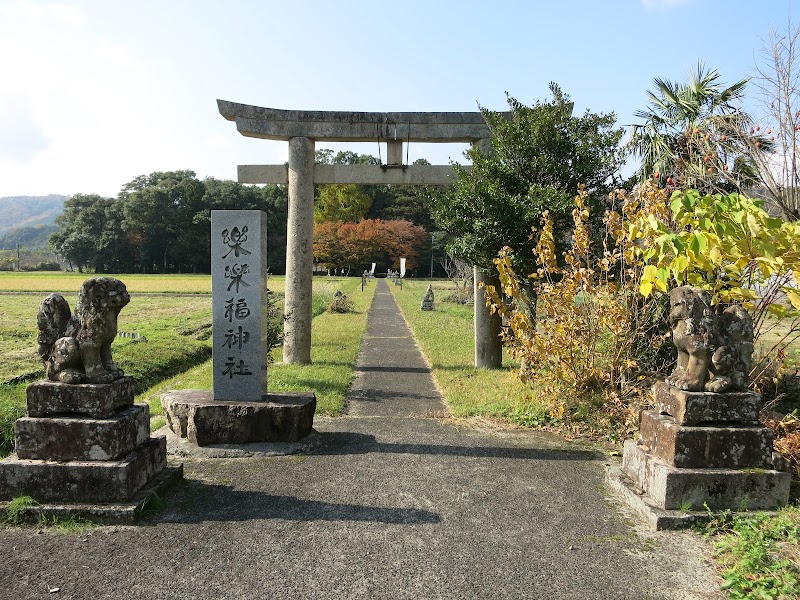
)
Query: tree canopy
[
  {"x": 357, "y": 245},
  {"x": 695, "y": 135},
  {"x": 161, "y": 222},
  {"x": 538, "y": 157}
]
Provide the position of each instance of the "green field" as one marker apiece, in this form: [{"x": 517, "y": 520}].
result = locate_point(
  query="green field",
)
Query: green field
[
  {"x": 70, "y": 283},
  {"x": 176, "y": 321}
]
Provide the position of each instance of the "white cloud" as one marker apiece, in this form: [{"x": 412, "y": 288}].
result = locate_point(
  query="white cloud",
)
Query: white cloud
[
  {"x": 76, "y": 109},
  {"x": 219, "y": 142},
  {"x": 66, "y": 14},
  {"x": 21, "y": 137},
  {"x": 60, "y": 12}
]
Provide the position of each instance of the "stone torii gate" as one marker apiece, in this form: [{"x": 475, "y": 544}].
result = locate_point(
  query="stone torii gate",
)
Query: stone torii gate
[{"x": 301, "y": 129}]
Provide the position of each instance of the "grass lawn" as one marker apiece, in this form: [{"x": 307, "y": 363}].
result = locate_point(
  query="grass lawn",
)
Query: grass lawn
[
  {"x": 70, "y": 283},
  {"x": 177, "y": 328},
  {"x": 758, "y": 556},
  {"x": 447, "y": 340}
]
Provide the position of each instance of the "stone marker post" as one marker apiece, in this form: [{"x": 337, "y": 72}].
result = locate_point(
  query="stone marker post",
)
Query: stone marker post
[
  {"x": 428, "y": 302},
  {"x": 239, "y": 303},
  {"x": 488, "y": 326},
  {"x": 239, "y": 410}
]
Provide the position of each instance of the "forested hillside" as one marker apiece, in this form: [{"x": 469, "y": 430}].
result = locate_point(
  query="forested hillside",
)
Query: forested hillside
[
  {"x": 17, "y": 212},
  {"x": 30, "y": 238}
]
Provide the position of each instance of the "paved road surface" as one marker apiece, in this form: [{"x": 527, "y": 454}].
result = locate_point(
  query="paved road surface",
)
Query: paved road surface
[{"x": 393, "y": 503}]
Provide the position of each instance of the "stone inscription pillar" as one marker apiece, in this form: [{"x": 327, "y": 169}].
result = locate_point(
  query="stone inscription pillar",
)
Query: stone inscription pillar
[
  {"x": 488, "y": 345},
  {"x": 299, "y": 252},
  {"x": 239, "y": 304}
]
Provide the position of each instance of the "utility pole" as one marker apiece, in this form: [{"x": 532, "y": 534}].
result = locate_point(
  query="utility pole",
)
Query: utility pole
[
  {"x": 19, "y": 265},
  {"x": 431, "y": 256}
]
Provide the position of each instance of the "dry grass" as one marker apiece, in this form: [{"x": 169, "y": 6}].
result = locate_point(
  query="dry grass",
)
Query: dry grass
[{"x": 71, "y": 282}]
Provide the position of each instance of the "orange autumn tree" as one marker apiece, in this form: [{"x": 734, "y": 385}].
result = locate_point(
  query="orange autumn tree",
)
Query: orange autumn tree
[{"x": 357, "y": 245}]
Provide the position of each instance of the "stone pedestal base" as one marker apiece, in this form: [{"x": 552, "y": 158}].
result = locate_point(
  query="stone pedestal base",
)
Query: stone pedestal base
[
  {"x": 701, "y": 449},
  {"x": 125, "y": 512},
  {"x": 79, "y": 438},
  {"x": 733, "y": 446},
  {"x": 96, "y": 400},
  {"x": 673, "y": 488},
  {"x": 279, "y": 417},
  {"x": 85, "y": 445},
  {"x": 693, "y": 408},
  {"x": 83, "y": 481}
]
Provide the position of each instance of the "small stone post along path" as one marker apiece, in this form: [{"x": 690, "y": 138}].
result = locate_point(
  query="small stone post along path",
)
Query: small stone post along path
[{"x": 390, "y": 503}]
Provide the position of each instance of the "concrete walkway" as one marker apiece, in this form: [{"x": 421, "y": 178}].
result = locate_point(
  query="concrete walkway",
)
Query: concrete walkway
[{"x": 393, "y": 503}]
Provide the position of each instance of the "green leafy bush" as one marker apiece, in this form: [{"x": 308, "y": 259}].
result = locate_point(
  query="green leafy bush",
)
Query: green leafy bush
[
  {"x": 758, "y": 554},
  {"x": 582, "y": 333}
]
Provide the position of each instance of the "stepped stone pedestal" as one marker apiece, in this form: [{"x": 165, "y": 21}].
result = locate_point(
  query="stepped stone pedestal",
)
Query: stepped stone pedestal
[
  {"x": 278, "y": 417},
  {"x": 84, "y": 444},
  {"x": 700, "y": 449}
]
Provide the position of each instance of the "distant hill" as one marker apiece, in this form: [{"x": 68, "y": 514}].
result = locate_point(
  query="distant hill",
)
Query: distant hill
[
  {"x": 29, "y": 238},
  {"x": 29, "y": 220},
  {"x": 17, "y": 212}
]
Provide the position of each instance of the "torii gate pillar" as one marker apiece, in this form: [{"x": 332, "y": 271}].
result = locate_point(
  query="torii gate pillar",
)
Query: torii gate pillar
[{"x": 299, "y": 252}]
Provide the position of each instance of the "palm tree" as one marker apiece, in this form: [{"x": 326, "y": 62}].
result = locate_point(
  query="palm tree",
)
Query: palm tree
[{"x": 695, "y": 136}]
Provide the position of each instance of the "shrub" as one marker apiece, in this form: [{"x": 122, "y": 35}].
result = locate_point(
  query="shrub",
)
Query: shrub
[
  {"x": 731, "y": 247},
  {"x": 592, "y": 332},
  {"x": 46, "y": 265},
  {"x": 459, "y": 296},
  {"x": 460, "y": 274},
  {"x": 582, "y": 333},
  {"x": 274, "y": 325},
  {"x": 340, "y": 303}
]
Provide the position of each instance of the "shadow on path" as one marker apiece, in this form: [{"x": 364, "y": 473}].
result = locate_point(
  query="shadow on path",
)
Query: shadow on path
[
  {"x": 221, "y": 503},
  {"x": 344, "y": 443},
  {"x": 390, "y": 369}
]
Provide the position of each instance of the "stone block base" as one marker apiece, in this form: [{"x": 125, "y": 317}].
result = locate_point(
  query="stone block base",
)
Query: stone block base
[
  {"x": 115, "y": 513},
  {"x": 83, "y": 481},
  {"x": 732, "y": 446},
  {"x": 98, "y": 400},
  {"x": 691, "y": 408},
  {"x": 78, "y": 438},
  {"x": 279, "y": 417},
  {"x": 672, "y": 488}
]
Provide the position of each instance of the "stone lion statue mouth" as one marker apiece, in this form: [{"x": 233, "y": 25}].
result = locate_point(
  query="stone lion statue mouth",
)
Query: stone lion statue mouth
[{"x": 76, "y": 348}]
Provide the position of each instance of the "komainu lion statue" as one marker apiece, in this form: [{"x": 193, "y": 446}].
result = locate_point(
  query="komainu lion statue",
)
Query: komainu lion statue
[
  {"x": 76, "y": 348},
  {"x": 715, "y": 349}
]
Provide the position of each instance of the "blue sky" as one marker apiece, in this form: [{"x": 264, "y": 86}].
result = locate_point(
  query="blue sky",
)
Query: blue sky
[{"x": 95, "y": 92}]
